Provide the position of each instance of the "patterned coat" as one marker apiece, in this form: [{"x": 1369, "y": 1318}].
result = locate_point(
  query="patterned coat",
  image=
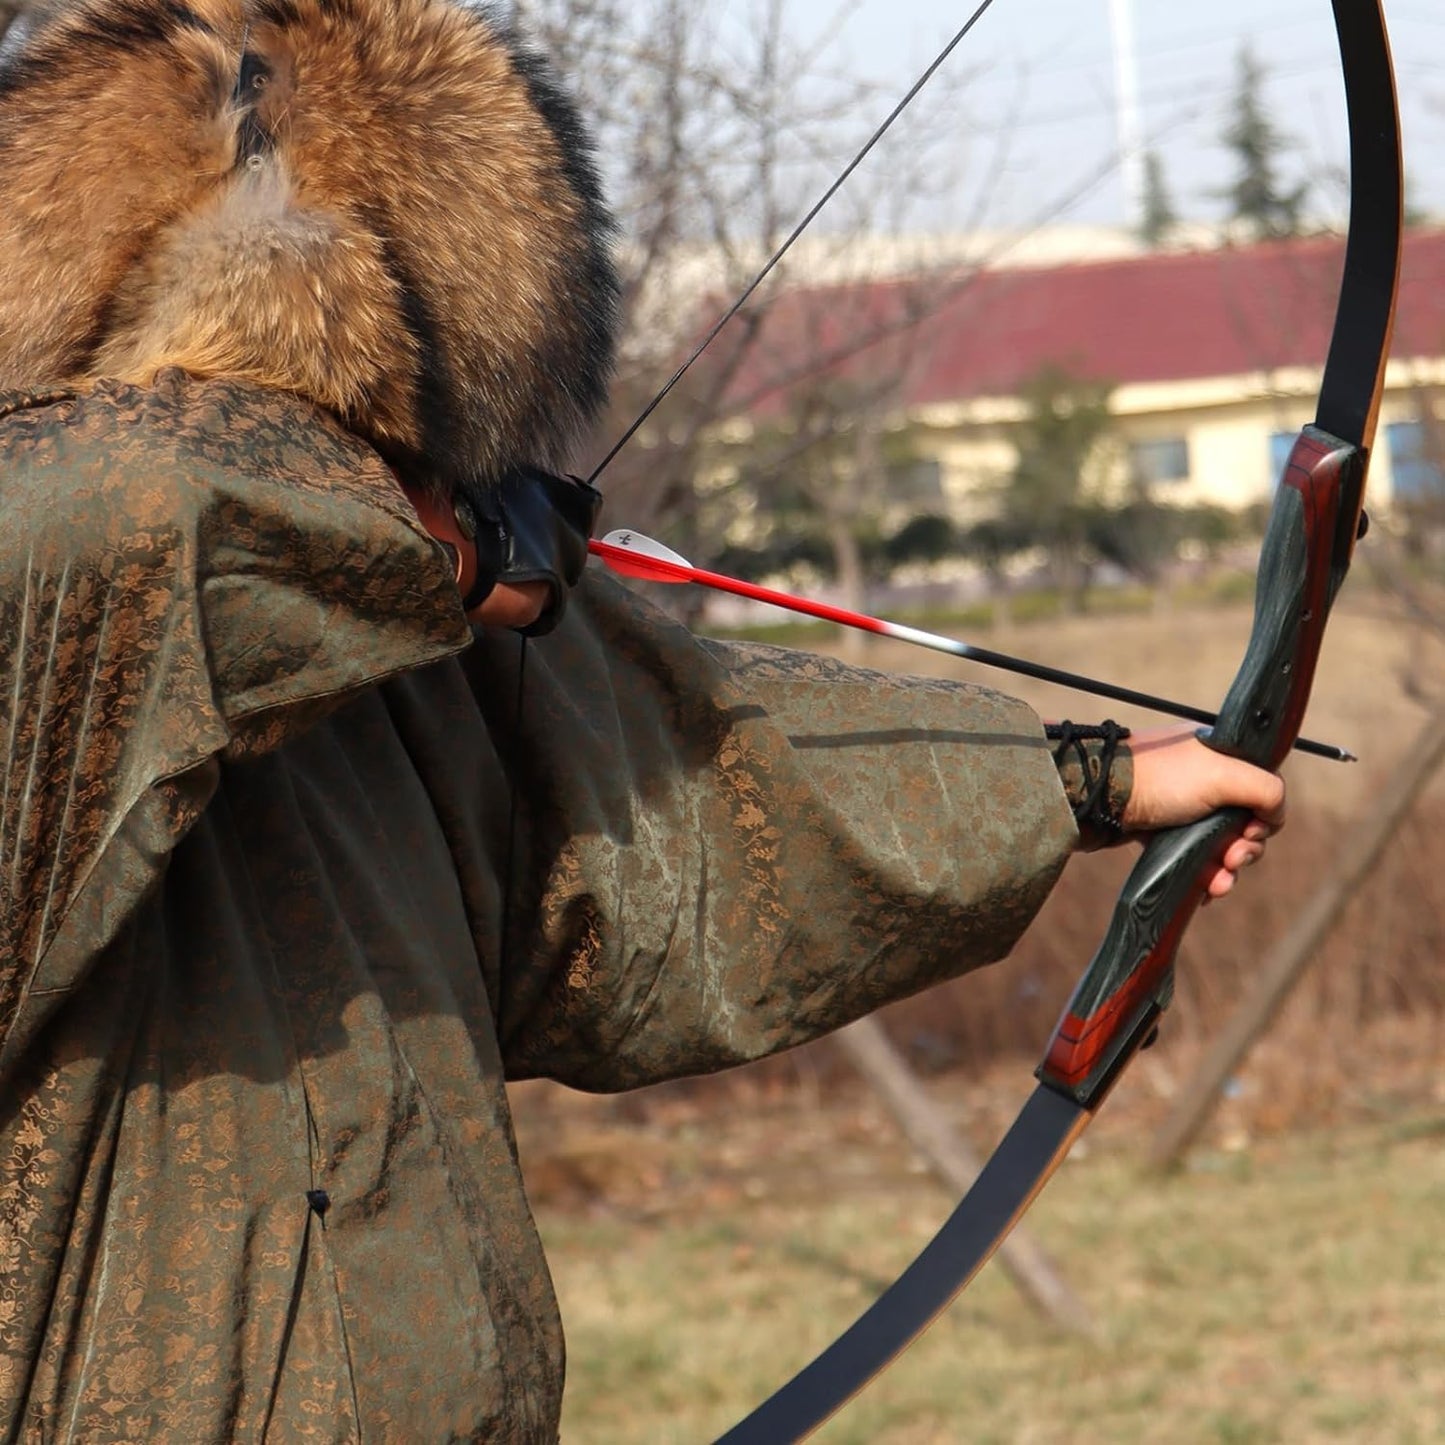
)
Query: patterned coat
[{"x": 295, "y": 872}]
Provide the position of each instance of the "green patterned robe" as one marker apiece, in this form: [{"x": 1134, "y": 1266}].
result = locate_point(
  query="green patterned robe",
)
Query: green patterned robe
[{"x": 293, "y": 875}]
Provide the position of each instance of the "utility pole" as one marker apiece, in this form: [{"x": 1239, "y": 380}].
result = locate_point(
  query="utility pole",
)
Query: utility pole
[{"x": 1126, "y": 111}]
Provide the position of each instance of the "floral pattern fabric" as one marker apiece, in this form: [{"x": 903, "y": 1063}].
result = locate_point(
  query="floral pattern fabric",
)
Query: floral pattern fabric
[{"x": 296, "y": 871}]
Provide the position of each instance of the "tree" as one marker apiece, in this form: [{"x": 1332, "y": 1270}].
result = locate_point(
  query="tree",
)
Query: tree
[
  {"x": 816, "y": 481},
  {"x": 1256, "y": 199},
  {"x": 1048, "y": 498},
  {"x": 1159, "y": 217},
  {"x": 716, "y": 136}
]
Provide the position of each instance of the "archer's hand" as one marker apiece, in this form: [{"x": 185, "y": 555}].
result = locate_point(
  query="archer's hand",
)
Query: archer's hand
[
  {"x": 542, "y": 549},
  {"x": 512, "y": 604},
  {"x": 516, "y": 602},
  {"x": 1178, "y": 780}
]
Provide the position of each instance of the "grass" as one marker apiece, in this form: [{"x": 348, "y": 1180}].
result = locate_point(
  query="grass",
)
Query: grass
[
  {"x": 1223, "y": 589},
  {"x": 1294, "y": 1298},
  {"x": 1290, "y": 1292}
]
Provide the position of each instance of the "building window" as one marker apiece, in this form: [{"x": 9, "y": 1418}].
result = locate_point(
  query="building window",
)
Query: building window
[
  {"x": 1415, "y": 457},
  {"x": 1281, "y": 444},
  {"x": 1160, "y": 459}
]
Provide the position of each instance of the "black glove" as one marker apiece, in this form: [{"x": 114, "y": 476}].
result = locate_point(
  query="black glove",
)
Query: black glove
[{"x": 533, "y": 528}]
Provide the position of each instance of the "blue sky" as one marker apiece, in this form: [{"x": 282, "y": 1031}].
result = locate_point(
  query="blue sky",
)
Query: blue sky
[{"x": 1048, "y": 63}]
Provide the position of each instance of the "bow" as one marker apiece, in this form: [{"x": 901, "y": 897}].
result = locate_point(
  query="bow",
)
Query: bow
[{"x": 1314, "y": 523}]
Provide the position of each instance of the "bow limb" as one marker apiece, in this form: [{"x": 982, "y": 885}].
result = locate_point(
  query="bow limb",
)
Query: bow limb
[{"x": 1316, "y": 518}]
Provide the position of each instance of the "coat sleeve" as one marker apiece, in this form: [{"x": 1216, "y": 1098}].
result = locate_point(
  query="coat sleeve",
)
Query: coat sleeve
[
  {"x": 721, "y": 851},
  {"x": 186, "y": 573}
]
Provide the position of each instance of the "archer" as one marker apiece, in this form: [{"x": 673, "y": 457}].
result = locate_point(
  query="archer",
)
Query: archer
[{"x": 299, "y": 866}]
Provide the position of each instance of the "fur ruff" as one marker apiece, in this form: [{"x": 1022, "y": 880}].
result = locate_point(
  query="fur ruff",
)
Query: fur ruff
[{"x": 386, "y": 206}]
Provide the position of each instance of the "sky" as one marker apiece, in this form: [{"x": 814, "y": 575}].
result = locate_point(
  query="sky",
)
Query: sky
[{"x": 1042, "y": 83}]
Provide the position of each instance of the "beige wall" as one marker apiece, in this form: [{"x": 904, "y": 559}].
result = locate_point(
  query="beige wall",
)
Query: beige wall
[{"x": 1227, "y": 421}]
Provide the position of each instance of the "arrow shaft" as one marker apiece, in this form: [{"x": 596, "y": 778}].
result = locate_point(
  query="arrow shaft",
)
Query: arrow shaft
[{"x": 656, "y": 569}]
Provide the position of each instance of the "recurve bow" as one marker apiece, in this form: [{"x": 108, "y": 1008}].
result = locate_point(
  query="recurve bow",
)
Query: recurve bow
[{"x": 1316, "y": 518}]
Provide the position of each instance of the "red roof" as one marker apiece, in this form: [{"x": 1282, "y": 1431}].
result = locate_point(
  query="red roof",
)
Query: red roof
[{"x": 1157, "y": 317}]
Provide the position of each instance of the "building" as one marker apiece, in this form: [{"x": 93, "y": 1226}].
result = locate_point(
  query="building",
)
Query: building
[{"x": 1214, "y": 358}]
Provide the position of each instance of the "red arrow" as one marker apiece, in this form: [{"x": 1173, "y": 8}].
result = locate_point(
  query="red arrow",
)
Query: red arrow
[{"x": 634, "y": 555}]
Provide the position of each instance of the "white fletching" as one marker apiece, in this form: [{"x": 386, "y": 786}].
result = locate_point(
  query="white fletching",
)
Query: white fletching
[{"x": 631, "y": 541}]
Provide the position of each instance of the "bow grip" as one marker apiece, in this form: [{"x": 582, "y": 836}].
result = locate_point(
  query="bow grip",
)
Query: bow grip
[{"x": 1303, "y": 560}]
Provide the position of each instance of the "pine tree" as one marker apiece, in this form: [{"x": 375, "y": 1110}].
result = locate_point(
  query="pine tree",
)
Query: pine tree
[
  {"x": 1159, "y": 217},
  {"x": 1256, "y": 199}
]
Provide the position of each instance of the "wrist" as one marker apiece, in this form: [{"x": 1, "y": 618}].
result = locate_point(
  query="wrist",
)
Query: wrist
[{"x": 1096, "y": 768}]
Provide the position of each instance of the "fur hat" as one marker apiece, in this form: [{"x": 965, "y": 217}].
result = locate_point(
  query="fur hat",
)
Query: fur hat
[{"x": 386, "y": 206}]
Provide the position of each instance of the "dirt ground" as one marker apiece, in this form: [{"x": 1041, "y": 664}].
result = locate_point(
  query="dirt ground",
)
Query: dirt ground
[
  {"x": 1284, "y": 1288},
  {"x": 682, "y": 1222}
]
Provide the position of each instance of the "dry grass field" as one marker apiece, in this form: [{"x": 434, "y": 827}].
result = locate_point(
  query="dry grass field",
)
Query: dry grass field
[
  {"x": 1289, "y": 1292},
  {"x": 1288, "y": 1286}
]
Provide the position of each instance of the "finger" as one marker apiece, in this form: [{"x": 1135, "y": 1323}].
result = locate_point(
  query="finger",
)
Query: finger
[
  {"x": 1220, "y": 884},
  {"x": 509, "y": 604},
  {"x": 1241, "y": 854},
  {"x": 1242, "y": 785},
  {"x": 1234, "y": 783}
]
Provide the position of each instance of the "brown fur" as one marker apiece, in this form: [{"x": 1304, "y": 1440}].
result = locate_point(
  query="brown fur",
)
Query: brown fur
[{"x": 383, "y": 205}]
